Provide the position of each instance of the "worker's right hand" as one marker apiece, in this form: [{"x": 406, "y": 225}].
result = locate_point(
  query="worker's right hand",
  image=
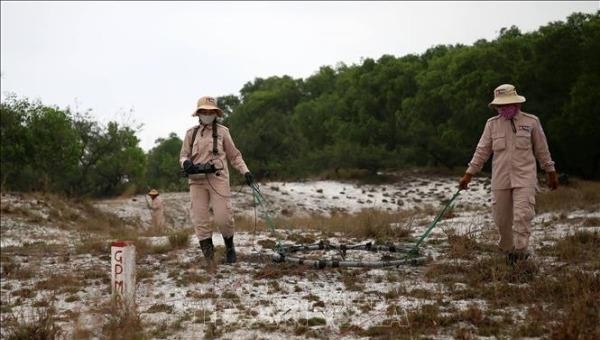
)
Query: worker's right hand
[
  {"x": 188, "y": 166},
  {"x": 464, "y": 181}
]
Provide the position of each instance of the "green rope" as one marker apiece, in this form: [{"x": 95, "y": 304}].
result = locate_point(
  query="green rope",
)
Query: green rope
[
  {"x": 259, "y": 199},
  {"x": 415, "y": 249}
]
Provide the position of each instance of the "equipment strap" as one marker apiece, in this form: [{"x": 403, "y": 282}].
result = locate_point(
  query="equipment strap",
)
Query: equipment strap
[
  {"x": 215, "y": 149},
  {"x": 214, "y": 136},
  {"x": 194, "y": 137}
]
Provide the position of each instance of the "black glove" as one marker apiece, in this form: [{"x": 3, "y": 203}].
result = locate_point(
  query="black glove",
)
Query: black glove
[
  {"x": 249, "y": 178},
  {"x": 188, "y": 167}
]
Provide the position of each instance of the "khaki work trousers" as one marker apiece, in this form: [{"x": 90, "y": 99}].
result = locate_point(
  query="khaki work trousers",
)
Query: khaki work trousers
[
  {"x": 203, "y": 195},
  {"x": 513, "y": 210},
  {"x": 158, "y": 219}
]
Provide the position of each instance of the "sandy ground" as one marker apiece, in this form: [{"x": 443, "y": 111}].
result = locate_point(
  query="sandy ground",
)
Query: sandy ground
[{"x": 178, "y": 299}]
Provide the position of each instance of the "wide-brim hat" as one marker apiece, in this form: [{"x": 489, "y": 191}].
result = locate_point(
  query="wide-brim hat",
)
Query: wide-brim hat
[
  {"x": 506, "y": 94},
  {"x": 153, "y": 192},
  {"x": 207, "y": 103}
]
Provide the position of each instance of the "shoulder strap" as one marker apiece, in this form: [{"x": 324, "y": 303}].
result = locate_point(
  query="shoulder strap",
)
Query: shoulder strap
[
  {"x": 194, "y": 136},
  {"x": 214, "y": 136}
]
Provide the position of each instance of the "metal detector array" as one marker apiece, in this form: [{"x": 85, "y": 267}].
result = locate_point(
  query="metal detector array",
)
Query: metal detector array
[
  {"x": 289, "y": 254},
  {"x": 406, "y": 254}
]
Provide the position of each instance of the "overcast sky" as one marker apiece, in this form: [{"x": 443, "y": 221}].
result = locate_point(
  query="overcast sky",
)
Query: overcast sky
[{"x": 148, "y": 62}]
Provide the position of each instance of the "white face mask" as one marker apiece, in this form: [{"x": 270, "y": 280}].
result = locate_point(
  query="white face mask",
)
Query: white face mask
[{"x": 207, "y": 119}]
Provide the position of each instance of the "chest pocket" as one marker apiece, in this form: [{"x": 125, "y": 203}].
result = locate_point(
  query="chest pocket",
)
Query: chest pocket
[
  {"x": 200, "y": 144},
  {"x": 204, "y": 145},
  {"x": 523, "y": 140},
  {"x": 498, "y": 143}
]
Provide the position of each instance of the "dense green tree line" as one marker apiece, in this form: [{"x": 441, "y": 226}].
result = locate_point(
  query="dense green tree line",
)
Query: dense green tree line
[
  {"x": 394, "y": 112},
  {"x": 426, "y": 110},
  {"x": 47, "y": 149}
]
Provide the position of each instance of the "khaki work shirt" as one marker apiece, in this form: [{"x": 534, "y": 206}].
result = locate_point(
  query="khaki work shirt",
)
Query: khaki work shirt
[
  {"x": 202, "y": 152},
  {"x": 515, "y": 151}
]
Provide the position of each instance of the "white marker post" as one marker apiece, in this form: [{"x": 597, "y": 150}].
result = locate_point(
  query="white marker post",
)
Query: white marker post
[{"x": 122, "y": 263}]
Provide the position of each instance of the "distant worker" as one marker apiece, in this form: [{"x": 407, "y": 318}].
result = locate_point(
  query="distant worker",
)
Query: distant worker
[
  {"x": 158, "y": 210},
  {"x": 204, "y": 154},
  {"x": 516, "y": 139}
]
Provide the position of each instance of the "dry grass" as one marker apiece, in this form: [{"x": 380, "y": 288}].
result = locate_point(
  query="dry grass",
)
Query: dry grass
[
  {"x": 591, "y": 222},
  {"x": 12, "y": 270},
  {"x": 40, "y": 325},
  {"x": 144, "y": 248},
  {"x": 579, "y": 194},
  {"x": 74, "y": 213},
  {"x": 179, "y": 239},
  {"x": 466, "y": 246},
  {"x": 267, "y": 244},
  {"x": 160, "y": 308},
  {"x": 566, "y": 294},
  {"x": 186, "y": 278},
  {"x": 8, "y": 266},
  {"x": 92, "y": 244},
  {"x": 569, "y": 297},
  {"x": 302, "y": 239},
  {"x": 581, "y": 318},
  {"x": 424, "y": 320},
  {"x": 65, "y": 282},
  {"x": 275, "y": 271},
  {"x": 96, "y": 226},
  {"x": 98, "y": 244},
  {"x": 249, "y": 224},
  {"x": 126, "y": 325},
  {"x": 579, "y": 248},
  {"x": 369, "y": 223}
]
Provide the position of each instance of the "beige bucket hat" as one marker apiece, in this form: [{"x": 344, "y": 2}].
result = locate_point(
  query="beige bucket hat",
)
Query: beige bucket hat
[
  {"x": 207, "y": 103},
  {"x": 506, "y": 94},
  {"x": 153, "y": 192}
]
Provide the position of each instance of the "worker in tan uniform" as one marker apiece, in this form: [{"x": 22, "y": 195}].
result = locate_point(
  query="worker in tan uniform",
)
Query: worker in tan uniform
[
  {"x": 157, "y": 210},
  {"x": 206, "y": 150},
  {"x": 516, "y": 139}
]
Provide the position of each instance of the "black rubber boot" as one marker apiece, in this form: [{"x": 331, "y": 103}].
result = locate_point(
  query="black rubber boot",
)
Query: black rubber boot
[
  {"x": 516, "y": 256},
  {"x": 208, "y": 250},
  {"x": 229, "y": 250}
]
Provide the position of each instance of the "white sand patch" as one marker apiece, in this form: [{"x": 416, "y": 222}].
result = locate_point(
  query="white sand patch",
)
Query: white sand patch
[{"x": 17, "y": 233}]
